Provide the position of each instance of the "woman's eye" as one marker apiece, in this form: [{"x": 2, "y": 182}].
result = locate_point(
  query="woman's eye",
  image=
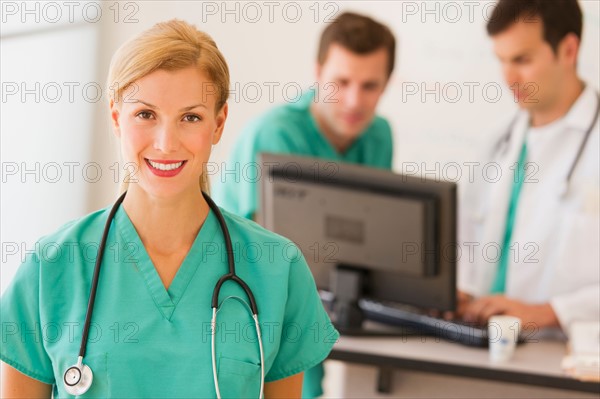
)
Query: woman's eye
[
  {"x": 144, "y": 114},
  {"x": 192, "y": 118}
]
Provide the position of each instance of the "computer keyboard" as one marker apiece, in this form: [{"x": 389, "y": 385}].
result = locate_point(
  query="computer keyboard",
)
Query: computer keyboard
[
  {"x": 406, "y": 320},
  {"x": 417, "y": 322}
]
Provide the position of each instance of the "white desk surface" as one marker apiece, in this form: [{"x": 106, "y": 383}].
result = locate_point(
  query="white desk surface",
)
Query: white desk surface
[
  {"x": 543, "y": 357},
  {"x": 537, "y": 363}
]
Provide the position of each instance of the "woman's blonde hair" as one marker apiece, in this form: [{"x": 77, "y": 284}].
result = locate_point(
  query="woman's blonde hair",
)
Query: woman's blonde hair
[{"x": 170, "y": 46}]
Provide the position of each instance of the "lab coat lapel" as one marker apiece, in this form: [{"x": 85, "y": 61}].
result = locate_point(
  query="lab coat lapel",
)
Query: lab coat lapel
[{"x": 498, "y": 199}]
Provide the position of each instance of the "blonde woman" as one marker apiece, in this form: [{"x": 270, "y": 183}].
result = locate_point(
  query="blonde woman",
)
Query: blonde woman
[{"x": 155, "y": 325}]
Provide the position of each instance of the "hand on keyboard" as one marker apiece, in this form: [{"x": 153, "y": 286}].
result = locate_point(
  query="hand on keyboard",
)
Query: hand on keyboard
[
  {"x": 463, "y": 301},
  {"x": 532, "y": 315}
]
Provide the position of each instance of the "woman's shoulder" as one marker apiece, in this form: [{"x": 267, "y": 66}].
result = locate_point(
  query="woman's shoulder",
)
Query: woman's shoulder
[
  {"x": 87, "y": 228},
  {"x": 250, "y": 231}
]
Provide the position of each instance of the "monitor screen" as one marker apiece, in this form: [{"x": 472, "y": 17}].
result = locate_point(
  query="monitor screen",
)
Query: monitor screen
[{"x": 398, "y": 231}]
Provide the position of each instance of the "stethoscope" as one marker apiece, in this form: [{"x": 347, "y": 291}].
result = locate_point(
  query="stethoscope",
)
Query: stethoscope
[
  {"x": 78, "y": 378},
  {"x": 505, "y": 139}
]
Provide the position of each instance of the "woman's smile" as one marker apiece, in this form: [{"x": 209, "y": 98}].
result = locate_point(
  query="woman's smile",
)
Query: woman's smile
[{"x": 165, "y": 168}]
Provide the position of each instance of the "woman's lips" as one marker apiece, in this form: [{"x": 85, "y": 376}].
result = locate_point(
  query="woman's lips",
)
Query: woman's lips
[{"x": 165, "y": 168}]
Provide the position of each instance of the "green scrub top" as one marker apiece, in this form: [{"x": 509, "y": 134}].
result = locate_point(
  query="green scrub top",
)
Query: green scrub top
[
  {"x": 147, "y": 341},
  {"x": 291, "y": 129}
]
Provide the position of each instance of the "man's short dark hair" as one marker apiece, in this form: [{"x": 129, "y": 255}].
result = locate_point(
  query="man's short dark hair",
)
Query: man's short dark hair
[
  {"x": 360, "y": 35},
  {"x": 559, "y": 17}
]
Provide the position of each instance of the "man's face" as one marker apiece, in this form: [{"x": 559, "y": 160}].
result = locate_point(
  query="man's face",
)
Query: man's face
[
  {"x": 532, "y": 70},
  {"x": 350, "y": 87}
]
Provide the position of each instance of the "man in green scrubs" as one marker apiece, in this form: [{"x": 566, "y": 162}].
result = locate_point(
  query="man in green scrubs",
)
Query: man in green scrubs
[{"x": 336, "y": 122}]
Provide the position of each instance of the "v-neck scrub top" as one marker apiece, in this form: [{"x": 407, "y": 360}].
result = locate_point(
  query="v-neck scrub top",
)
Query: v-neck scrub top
[{"x": 148, "y": 341}]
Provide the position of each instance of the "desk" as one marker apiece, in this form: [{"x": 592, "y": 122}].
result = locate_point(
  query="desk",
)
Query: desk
[{"x": 429, "y": 367}]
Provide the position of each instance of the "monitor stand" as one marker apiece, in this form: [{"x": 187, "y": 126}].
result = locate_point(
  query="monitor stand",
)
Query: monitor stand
[{"x": 347, "y": 283}]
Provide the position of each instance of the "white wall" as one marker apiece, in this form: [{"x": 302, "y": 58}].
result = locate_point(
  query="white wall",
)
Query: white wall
[
  {"x": 46, "y": 124},
  {"x": 439, "y": 47},
  {"x": 441, "y": 44}
]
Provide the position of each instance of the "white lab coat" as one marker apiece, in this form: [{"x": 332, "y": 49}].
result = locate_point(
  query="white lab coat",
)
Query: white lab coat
[{"x": 555, "y": 255}]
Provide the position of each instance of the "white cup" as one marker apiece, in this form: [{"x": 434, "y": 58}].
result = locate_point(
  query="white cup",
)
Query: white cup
[{"x": 503, "y": 334}]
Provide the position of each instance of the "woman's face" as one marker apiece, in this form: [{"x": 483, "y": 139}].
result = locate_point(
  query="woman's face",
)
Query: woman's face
[{"x": 167, "y": 123}]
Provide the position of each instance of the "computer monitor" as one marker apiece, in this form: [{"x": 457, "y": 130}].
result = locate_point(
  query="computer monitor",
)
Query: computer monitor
[{"x": 365, "y": 232}]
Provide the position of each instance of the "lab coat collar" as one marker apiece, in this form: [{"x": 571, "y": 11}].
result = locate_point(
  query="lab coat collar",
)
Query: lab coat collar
[{"x": 583, "y": 110}]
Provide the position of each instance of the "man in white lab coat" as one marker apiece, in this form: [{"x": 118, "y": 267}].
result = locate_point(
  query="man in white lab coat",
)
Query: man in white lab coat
[{"x": 533, "y": 233}]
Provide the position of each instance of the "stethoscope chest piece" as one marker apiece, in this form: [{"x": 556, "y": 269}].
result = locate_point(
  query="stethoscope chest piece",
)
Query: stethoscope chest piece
[{"x": 78, "y": 379}]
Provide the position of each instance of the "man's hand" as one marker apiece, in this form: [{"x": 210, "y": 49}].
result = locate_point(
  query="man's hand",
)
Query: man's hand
[
  {"x": 462, "y": 302},
  {"x": 480, "y": 310}
]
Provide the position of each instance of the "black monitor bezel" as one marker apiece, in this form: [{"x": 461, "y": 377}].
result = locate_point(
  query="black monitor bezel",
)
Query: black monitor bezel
[{"x": 367, "y": 179}]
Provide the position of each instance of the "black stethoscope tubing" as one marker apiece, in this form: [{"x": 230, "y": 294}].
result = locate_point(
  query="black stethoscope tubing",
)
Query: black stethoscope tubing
[
  {"x": 230, "y": 260},
  {"x": 92, "y": 298},
  {"x": 588, "y": 133}
]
